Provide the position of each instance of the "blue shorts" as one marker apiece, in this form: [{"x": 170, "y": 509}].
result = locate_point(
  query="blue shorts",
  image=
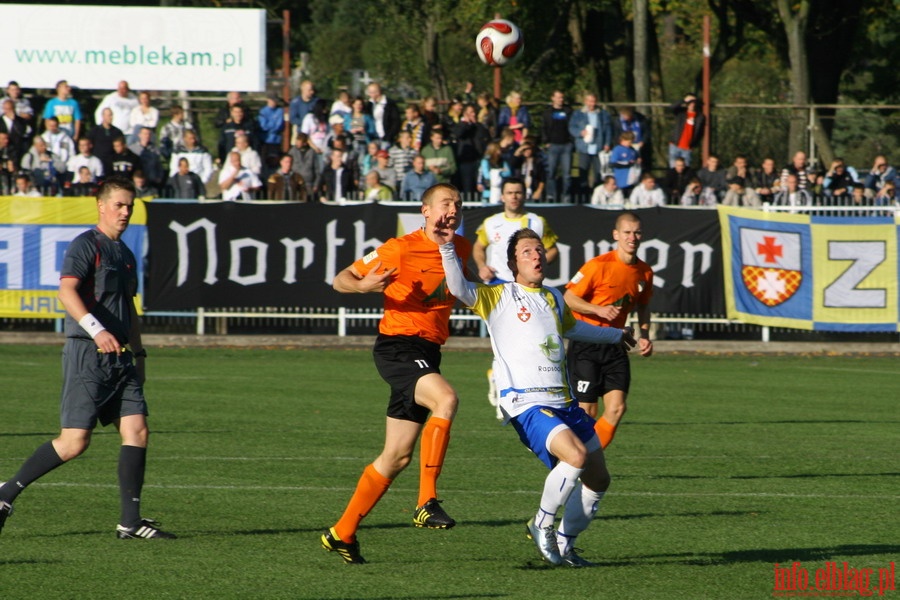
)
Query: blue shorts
[{"x": 537, "y": 424}]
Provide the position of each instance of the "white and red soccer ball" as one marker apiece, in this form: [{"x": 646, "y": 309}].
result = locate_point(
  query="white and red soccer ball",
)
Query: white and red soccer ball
[{"x": 499, "y": 42}]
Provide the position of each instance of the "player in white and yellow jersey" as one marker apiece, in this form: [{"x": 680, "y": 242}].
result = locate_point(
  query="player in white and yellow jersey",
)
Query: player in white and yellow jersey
[
  {"x": 527, "y": 323},
  {"x": 489, "y": 250}
]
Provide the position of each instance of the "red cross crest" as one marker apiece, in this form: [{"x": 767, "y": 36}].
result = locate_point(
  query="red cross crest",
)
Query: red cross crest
[
  {"x": 523, "y": 315},
  {"x": 764, "y": 269}
]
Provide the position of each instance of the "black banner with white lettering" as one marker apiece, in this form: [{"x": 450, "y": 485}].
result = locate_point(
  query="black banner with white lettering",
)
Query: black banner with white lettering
[{"x": 228, "y": 255}]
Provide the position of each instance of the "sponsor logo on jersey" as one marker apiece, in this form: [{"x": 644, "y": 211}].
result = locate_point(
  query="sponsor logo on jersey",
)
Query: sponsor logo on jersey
[
  {"x": 370, "y": 257},
  {"x": 552, "y": 348}
]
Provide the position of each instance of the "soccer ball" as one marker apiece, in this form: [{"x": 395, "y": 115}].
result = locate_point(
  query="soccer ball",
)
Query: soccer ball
[{"x": 499, "y": 42}]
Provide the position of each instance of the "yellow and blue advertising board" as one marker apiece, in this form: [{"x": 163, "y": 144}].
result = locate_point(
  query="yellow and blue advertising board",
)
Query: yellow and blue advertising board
[{"x": 34, "y": 235}]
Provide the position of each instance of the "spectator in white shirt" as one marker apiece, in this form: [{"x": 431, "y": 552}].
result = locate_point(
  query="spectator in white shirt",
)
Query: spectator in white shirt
[
  {"x": 120, "y": 102},
  {"x": 607, "y": 193},
  {"x": 646, "y": 194},
  {"x": 237, "y": 181},
  {"x": 85, "y": 158},
  {"x": 249, "y": 157}
]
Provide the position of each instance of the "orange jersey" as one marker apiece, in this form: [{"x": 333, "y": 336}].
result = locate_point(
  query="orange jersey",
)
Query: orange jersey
[
  {"x": 417, "y": 301},
  {"x": 605, "y": 280}
]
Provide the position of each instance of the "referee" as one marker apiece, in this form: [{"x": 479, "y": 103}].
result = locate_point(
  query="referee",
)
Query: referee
[{"x": 103, "y": 361}]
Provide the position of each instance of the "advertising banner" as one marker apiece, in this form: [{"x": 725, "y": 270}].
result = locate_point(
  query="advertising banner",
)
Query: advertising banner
[
  {"x": 809, "y": 272},
  {"x": 220, "y": 255},
  {"x": 34, "y": 235},
  {"x": 153, "y": 48}
]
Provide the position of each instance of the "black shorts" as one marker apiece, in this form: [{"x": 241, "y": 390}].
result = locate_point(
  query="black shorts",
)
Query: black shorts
[
  {"x": 401, "y": 361},
  {"x": 97, "y": 386},
  {"x": 595, "y": 369}
]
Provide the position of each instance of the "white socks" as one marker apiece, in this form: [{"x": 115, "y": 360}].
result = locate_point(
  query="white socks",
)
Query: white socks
[
  {"x": 580, "y": 510},
  {"x": 558, "y": 486}
]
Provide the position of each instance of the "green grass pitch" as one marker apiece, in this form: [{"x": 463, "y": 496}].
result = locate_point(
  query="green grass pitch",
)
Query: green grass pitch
[{"x": 725, "y": 465}]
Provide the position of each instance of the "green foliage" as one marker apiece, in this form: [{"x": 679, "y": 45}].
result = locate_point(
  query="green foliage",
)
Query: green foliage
[{"x": 724, "y": 466}]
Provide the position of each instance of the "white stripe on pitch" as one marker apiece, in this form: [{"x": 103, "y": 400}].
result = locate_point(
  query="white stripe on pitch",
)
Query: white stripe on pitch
[{"x": 310, "y": 488}]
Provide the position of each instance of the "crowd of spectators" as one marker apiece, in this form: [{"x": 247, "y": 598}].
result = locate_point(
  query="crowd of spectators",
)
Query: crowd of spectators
[{"x": 373, "y": 149}]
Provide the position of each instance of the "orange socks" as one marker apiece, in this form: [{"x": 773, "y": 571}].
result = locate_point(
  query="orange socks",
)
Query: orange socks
[
  {"x": 371, "y": 487},
  {"x": 606, "y": 431},
  {"x": 435, "y": 437}
]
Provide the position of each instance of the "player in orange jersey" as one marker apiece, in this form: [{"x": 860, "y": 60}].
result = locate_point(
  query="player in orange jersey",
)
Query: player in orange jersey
[
  {"x": 604, "y": 292},
  {"x": 417, "y": 305}
]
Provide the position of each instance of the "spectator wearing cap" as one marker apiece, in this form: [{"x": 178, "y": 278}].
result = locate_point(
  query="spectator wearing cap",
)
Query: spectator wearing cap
[
  {"x": 337, "y": 131},
  {"x": 385, "y": 170},
  {"x": 270, "y": 122}
]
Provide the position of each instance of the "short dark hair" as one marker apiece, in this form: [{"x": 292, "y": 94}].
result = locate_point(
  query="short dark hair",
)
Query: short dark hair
[
  {"x": 522, "y": 234},
  {"x": 514, "y": 180},
  {"x": 113, "y": 183}
]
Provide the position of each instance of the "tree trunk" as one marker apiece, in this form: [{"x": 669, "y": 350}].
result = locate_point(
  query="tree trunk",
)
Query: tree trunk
[
  {"x": 795, "y": 31},
  {"x": 433, "y": 61},
  {"x": 641, "y": 55}
]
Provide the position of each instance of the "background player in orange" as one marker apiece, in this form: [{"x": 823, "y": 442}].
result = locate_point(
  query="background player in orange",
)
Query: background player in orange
[
  {"x": 604, "y": 292},
  {"x": 417, "y": 305}
]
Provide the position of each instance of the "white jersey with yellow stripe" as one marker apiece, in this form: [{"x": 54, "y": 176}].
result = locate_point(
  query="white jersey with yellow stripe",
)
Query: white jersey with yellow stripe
[
  {"x": 527, "y": 327},
  {"x": 495, "y": 231}
]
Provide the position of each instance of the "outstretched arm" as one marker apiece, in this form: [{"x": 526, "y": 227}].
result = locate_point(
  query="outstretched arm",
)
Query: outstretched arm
[
  {"x": 584, "y": 332},
  {"x": 456, "y": 282}
]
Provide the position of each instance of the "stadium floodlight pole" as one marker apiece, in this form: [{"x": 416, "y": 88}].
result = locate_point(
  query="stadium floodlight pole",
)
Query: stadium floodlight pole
[{"x": 498, "y": 87}]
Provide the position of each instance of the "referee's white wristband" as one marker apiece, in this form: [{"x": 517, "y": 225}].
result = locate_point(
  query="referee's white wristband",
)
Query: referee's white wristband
[{"x": 90, "y": 324}]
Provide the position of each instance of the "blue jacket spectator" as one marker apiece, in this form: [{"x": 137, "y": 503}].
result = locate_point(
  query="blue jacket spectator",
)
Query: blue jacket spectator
[
  {"x": 418, "y": 180},
  {"x": 271, "y": 121}
]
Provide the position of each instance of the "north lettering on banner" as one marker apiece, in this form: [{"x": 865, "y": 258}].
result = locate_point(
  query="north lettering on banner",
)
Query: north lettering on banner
[{"x": 771, "y": 264}]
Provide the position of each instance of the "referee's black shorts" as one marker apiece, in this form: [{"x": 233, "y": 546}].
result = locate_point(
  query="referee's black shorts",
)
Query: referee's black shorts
[
  {"x": 595, "y": 369},
  {"x": 401, "y": 361}
]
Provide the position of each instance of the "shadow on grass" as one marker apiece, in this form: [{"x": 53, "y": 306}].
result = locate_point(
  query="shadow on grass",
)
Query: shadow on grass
[
  {"x": 792, "y": 476},
  {"x": 763, "y": 555},
  {"x": 779, "y": 422},
  {"x": 715, "y": 513},
  {"x": 28, "y": 561},
  {"x": 802, "y": 475},
  {"x": 416, "y": 597}
]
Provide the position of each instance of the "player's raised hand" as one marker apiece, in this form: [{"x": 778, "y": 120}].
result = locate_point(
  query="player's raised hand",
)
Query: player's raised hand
[
  {"x": 443, "y": 230},
  {"x": 487, "y": 273},
  {"x": 375, "y": 281}
]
